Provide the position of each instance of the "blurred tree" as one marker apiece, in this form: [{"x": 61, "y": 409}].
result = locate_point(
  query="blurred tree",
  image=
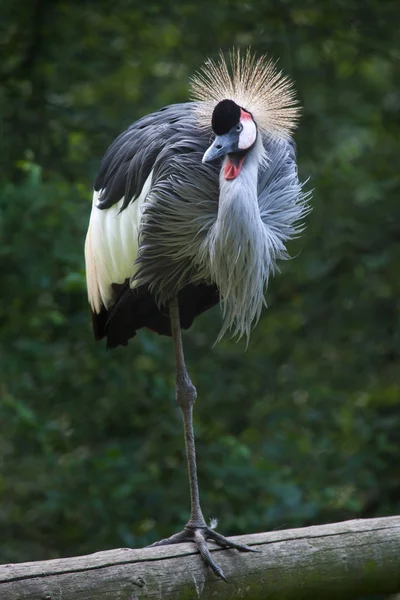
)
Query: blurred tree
[{"x": 303, "y": 427}]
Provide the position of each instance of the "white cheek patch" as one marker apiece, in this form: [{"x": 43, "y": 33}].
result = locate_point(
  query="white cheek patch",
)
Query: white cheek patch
[{"x": 248, "y": 134}]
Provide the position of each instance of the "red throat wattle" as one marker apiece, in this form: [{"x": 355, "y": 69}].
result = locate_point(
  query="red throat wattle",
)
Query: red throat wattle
[{"x": 231, "y": 171}]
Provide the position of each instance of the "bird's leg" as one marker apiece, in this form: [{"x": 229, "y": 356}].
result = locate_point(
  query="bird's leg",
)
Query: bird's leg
[
  {"x": 185, "y": 396},
  {"x": 195, "y": 529}
]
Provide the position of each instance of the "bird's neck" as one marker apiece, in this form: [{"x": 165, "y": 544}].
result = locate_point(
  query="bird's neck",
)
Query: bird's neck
[
  {"x": 238, "y": 246},
  {"x": 246, "y": 181},
  {"x": 238, "y": 198}
]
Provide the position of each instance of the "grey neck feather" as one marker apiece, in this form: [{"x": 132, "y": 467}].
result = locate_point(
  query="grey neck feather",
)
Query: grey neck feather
[{"x": 239, "y": 248}]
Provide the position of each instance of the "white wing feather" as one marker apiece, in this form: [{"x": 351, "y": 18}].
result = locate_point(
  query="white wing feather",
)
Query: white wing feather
[{"x": 111, "y": 247}]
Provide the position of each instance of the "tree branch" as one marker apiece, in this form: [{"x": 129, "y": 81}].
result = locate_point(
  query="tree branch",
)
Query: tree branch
[{"x": 341, "y": 560}]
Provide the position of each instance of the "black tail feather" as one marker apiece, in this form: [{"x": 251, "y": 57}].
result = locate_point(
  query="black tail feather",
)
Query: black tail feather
[{"x": 136, "y": 308}]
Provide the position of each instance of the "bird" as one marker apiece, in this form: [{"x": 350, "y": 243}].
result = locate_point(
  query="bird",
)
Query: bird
[{"x": 193, "y": 206}]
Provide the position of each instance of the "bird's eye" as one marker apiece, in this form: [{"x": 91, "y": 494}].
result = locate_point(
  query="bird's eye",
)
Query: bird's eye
[{"x": 239, "y": 127}]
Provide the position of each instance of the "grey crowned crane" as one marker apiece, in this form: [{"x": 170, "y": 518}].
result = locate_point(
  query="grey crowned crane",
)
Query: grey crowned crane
[{"x": 179, "y": 225}]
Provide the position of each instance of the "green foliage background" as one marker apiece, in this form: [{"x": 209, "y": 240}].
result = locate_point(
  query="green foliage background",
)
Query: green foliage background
[{"x": 301, "y": 428}]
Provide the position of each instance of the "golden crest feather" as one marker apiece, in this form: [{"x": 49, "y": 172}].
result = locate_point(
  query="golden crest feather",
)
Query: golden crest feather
[{"x": 255, "y": 84}]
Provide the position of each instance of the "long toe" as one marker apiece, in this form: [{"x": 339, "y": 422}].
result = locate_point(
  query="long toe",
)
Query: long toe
[
  {"x": 221, "y": 540},
  {"x": 201, "y": 544},
  {"x": 177, "y": 538}
]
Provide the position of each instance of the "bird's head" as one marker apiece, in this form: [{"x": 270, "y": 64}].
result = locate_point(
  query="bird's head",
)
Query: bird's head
[
  {"x": 246, "y": 99},
  {"x": 235, "y": 132}
]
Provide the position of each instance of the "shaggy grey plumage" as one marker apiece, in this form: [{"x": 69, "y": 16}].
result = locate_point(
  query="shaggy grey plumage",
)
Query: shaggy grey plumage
[{"x": 189, "y": 234}]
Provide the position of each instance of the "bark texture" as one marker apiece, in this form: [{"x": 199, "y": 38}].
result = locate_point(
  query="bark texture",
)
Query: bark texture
[{"x": 340, "y": 560}]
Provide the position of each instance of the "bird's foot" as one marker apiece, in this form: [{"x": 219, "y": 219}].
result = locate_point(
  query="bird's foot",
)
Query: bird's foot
[{"x": 199, "y": 536}]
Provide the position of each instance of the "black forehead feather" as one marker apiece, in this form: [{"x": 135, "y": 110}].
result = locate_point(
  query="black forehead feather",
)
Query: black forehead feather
[{"x": 225, "y": 116}]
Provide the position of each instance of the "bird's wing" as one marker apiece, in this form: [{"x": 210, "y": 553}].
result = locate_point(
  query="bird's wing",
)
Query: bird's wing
[
  {"x": 132, "y": 156},
  {"x": 131, "y": 167}
]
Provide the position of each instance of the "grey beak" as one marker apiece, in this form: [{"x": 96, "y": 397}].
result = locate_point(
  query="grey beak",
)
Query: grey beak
[{"x": 223, "y": 144}]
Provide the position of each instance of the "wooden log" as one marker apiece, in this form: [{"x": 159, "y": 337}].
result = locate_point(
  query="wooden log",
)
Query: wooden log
[{"x": 341, "y": 560}]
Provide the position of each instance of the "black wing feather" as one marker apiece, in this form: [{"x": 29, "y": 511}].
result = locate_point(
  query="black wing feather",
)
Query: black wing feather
[{"x": 131, "y": 157}]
